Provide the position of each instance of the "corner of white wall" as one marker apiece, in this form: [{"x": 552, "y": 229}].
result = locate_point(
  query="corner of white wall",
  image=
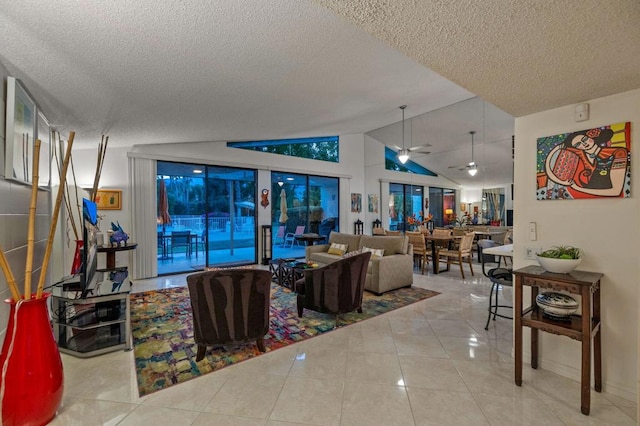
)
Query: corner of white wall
[{"x": 606, "y": 229}]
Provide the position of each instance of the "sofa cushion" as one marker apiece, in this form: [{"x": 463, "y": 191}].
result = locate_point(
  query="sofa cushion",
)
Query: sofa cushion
[
  {"x": 374, "y": 251},
  {"x": 390, "y": 244},
  {"x": 352, "y": 241},
  {"x": 338, "y": 249},
  {"x": 323, "y": 257}
]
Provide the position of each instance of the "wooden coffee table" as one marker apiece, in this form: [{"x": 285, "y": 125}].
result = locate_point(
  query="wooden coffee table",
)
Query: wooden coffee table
[{"x": 286, "y": 272}]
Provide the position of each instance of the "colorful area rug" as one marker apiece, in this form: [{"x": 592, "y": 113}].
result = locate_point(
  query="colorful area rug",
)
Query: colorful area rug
[{"x": 162, "y": 327}]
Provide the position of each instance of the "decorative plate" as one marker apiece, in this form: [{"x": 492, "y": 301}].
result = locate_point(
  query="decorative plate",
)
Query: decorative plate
[{"x": 557, "y": 304}]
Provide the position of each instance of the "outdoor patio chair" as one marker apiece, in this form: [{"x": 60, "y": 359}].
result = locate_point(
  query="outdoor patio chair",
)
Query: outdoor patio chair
[
  {"x": 180, "y": 239},
  {"x": 291, "y": 236},
  {"x": 280, "y": 235},
  {"x": 229, "y": 306}
]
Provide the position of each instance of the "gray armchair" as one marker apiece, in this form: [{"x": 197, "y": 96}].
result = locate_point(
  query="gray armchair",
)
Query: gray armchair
[
  {"x": 229, "y": 306},
  {"x": 336, "y": 288}
]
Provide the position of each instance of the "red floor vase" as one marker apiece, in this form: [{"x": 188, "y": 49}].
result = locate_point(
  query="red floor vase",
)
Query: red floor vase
[{"x": 32, "y": 386}]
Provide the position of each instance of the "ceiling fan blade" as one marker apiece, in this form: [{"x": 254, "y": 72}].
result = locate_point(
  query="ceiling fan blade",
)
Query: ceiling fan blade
[
  {"x": 395, "y": 147},
  {"x": 419, "y": 147}
]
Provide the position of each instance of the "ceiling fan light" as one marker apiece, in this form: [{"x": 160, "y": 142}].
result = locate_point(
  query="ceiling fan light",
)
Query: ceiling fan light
[
  {"x": 403, "y": 156},
  {"x": 473, "y": 170}
]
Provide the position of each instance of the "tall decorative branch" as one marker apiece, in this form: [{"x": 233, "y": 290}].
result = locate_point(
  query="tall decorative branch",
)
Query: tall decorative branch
[
  {"x": 54, "y": 219},
  {"x": 28, "y": 269},
  {"x": 67, "y": 194},
  {"x": 102, "y": 151}
]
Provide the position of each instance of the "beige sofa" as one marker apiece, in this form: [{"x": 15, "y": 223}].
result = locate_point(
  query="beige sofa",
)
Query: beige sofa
[{"x": 391, "y": 271}]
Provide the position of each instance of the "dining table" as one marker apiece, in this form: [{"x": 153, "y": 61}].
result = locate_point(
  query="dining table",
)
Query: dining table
[
  {"x": 309, "y": 239},
  {"x": 437, "y": 240}
]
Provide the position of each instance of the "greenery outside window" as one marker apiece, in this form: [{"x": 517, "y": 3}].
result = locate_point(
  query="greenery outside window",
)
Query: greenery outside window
[{"x": 317, "y": 148}]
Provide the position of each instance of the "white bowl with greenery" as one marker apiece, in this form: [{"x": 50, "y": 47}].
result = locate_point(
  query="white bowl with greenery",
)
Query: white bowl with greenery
[{"x": 560, "y": 259}]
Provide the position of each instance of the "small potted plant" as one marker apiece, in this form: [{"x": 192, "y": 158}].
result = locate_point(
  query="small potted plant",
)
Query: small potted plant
[{"x": 560, "y": 259}]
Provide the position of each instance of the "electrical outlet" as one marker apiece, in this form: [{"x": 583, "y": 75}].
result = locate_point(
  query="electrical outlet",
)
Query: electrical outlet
[{"x": 530, "y": 252}]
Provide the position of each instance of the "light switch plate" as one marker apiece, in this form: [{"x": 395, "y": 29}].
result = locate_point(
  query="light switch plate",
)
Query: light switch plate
[{"x": 533, "y": 231}]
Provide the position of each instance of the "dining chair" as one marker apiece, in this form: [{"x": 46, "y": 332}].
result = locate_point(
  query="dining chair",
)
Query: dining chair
[
  {"x": 379, "y": 231},
  {"x": 459, "y": 255},
  {"x": 181, "y": 239},
  {"x": 437, "y": 246},
  {"x": 290, "y": 237},
  {"x": 499, "y": 277},
  {"x": 416, "y": 239},
  {"x": 457, "y": 234},
  {"x": 389, "y": 232}
]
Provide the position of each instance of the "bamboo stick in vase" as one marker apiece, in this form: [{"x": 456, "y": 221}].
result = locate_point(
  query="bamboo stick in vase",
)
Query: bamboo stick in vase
[
  {"x": 28, "y": 269},
  {"x": 8, "y": 275},
  {"x": 54, "y": 218}
]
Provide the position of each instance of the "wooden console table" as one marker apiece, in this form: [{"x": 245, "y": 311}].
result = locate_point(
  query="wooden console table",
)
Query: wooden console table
[
  {"x": 111, "y": 253},
  {"x": 582, "y": 328}
]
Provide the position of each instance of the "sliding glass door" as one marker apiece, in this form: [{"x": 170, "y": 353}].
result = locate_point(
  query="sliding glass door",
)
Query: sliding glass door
[
  {"x": 206, "y": 216},
  {"x": 405, "y": 206},
  {"x": 301, "y": 204},
  {"x": 442, "y": 205},
  {"x": 230, "y": 237}
]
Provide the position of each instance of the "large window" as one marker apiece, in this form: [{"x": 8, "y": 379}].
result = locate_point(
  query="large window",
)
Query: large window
[
  {"x": 302, "y": 204},
  {"x": 320, "y": 148},
  {"x": 442, "y": 205},
  {"x": 405, "y": 206},
  {"x": 391, "y": 162},
  {"x": 206, "y": 216}
]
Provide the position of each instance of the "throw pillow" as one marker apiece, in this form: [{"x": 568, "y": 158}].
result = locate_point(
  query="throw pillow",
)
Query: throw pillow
[
  {"x": 374, "y": 252},
  {"x": 338, "y": 249},
  {"x": 351, "y": 253}
]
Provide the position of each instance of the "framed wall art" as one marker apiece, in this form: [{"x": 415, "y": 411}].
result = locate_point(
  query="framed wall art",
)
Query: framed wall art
[
  {"x": 21, "y": 132},
  {"x": 356, "y": 202},
  {"x": 373, "y": 203},
  {"x": 109, "y": 199},
  {"x": 589, "y": 163}
]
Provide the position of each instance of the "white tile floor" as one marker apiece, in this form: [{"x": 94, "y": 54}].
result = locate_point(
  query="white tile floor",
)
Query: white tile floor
[{"x": 431, "y": 363}]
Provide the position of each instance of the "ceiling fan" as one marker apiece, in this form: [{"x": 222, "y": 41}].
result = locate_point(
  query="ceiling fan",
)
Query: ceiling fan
[
  {"x": 472, "y": 167},
  {"x": 403, "y": 153}
]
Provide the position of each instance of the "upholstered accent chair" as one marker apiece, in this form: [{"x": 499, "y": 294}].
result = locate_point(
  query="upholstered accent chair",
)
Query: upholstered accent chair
[
  {"x": 336, "y": 288},
  {"x": 229, "y": 306}
]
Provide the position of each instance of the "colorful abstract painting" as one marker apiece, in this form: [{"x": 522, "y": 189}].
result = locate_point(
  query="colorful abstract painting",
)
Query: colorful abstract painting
[{"x": 590, "y": 163}]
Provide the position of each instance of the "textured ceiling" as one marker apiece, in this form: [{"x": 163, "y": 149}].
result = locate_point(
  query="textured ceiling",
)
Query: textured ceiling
[
  {"x": 523, "y": 56},
  {"x": 182, "y": 71}
]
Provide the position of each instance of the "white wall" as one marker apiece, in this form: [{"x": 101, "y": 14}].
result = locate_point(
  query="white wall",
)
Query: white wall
[{"x": 607, "y": 230}]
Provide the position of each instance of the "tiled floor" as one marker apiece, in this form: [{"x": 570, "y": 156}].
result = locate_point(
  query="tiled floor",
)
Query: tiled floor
[{"x": 431, "y": 363}]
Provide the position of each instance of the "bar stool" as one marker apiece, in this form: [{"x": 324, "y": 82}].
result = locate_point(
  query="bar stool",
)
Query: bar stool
[{"x": 498, "y": 277}]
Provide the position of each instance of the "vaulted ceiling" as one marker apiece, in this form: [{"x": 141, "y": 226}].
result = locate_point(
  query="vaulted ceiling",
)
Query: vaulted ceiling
[{"x": 199, "y": 70}]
